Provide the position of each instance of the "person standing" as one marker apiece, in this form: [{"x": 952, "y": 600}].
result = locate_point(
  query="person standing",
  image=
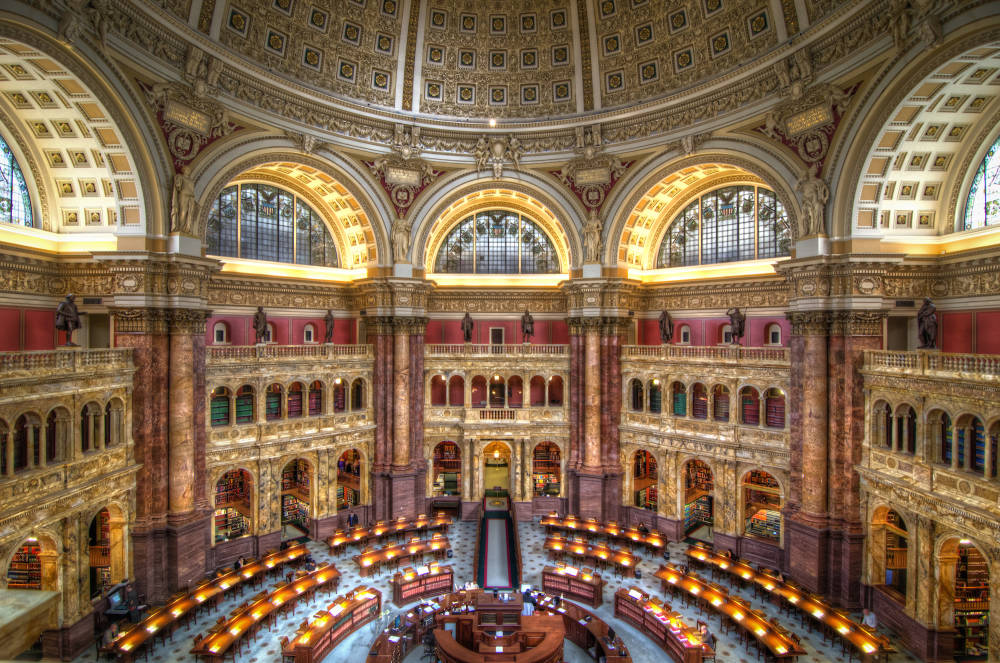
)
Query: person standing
[{"x": 869, "y": 619}]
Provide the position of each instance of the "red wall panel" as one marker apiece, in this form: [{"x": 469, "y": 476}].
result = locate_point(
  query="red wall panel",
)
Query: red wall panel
[
  {"x": 40, "y": 329},
  {"x": 955, "y": 331},
  {"x": 987, "y": 338},
  {"x": 10, "y": 329}
]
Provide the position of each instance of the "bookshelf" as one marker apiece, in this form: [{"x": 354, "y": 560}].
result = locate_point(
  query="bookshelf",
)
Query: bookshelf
[
  {"x": 294, "y": 512},
  {"x": 972, "y": 604},
  {"x": 232, "y": 506},
  {"x": 346, "y": 497},
  {"x": 645, "y": 498},
  {"x": 345, "y": 615},
  {"x": 545, "y": 469},
  {"x": 697, "y": 513},
  {"x": 414, "y": 584},
  {"x": 764, "y": 524},
  {"x": 295, "y": 402},
  {"x": 25, "y": 571},
  {"x": 581, "y": 585},
  {"x": 220, "y": 410},
  {"x": 244, "y": 405},
  {"x": 447, "y": 464}
]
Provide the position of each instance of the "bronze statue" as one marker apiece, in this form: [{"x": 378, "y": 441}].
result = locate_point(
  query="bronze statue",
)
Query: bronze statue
[
  {"x": 68, "y": 318},
  {"x": 737, "y": 321},
  {"x": 328, "y": 320},
  {"x": 666, "y": 327},
  {"x": 927, "y": 325},
  {"x": 467, "y": 327},
  {"x": 260, "y": 325},
  {"x": 527, "y": 326}
]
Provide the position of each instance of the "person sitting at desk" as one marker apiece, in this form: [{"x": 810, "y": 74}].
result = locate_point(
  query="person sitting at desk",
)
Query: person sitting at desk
[
  {"x": 528, "y": 609},
  {"x": 869, "y": 619},
  {"x": 310, "y": 563},
  {"x": 707, "y": 637},
  {"x": 643, "y": 529}
]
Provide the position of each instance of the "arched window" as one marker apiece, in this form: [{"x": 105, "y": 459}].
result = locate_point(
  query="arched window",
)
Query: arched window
[
  {"x": 439, "y": 394},
  {"x": 749, "y": 406},
  {"x": 679, "y": 399},
  {"x": 263, "y": 222},
  {"x": 15, "y": 206},
  {"x": 244, "y": 405},
  {"x": 655, "y": 396},
  {"x": 272, "y": 402},
  {"x": 339, "y": 395},
  {"x": 555, "y": 390},
  {"x": 728, "y": 224},
  {"x": 315, "y": 398},
  {"x": 295, "y": 400},
  {"x": 983, "y": 205},
  {"x": 309, "y": 334},
  {"x": 773, "y": 334},
  {"x": 357, "y": 394},
  {"x": 636, "y": 390},
  {"x": 699, "y": 401},
  {"x": 720, "y": 403},
  {"x": 456, "y": 391},
  {"x": 220, "y": 333},
  {"x": 269, "y": 333},
  {"x": 774, "y": 408},
  {"x": 219, "y": 408},
  {"x": 685, "y": 335},
  {"x": 497, "y": 242}
]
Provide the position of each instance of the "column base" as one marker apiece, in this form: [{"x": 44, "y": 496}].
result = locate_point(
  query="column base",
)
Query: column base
[
  {"x": 587, "y": 489},
  {"x": 150, "y": 564},
  {"x": 925, "y": 643},
  {"x": 403, "y": 495},
  {"x": 759, "y": 551},
  {"x": 611, "y": 490},
  {"x": 808, "y": 564},
  {"x": 187, "y": 540},
  {"x": 846, "y": 561},
  {"x": 470, "y": 511},
  {"x": 69, "y": 642},
  {"x": 224, "y": 553}
]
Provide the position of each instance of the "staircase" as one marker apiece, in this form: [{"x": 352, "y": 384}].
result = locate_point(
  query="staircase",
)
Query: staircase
[{"x": 498, "y": 551}]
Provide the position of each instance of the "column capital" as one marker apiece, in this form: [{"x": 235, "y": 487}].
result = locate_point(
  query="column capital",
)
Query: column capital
[
  {"x": 188, "y": 321},
  {"x": 857, "y": 323},
  {"x": 379, "y": 325},
  {"x": 809, "y": 323},
  {"x": 139, "y": 320},
  {"x": 409, "y": 324}
]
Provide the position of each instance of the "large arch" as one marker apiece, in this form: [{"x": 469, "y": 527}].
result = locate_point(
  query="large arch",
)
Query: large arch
[
  {"x": 123, "y": 148},
  {"x": 334, "y": 185},
  {"x": 660, "y": 188},
  {"x": 895, "y": 118},
  {"x": 451, "y": 199}
]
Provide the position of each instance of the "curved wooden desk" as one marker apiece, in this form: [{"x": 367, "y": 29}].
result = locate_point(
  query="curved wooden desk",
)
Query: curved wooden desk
[{"x": 538, "y": 640}]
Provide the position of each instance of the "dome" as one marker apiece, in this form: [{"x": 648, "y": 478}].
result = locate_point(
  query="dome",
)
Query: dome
[{"x": 507, "y": 60}]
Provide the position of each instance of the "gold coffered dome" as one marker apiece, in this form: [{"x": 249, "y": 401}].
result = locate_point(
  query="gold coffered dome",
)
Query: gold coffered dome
[{"x": 526, "y": 59}]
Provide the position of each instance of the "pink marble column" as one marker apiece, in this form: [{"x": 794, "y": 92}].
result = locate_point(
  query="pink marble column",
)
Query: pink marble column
[
  {"x": 592, "y": 399},
  {"x": 181, "y": 439},
  {"x": 401, "y": 395},
  {"x": 574, "y": 388}
]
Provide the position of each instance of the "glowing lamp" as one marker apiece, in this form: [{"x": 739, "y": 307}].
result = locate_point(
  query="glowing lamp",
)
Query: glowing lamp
[
  {"x": 724, "y": 566},
  {"x": 176, "y": 612},
  {"x": 780, "y": 650},
  {"x": 716, "y": 601},
  {"x": 746, "y": 575},
  {"x": 769, "y": 587},
  {"x": 868, "y": 648},
  {"x": 366, "y": 562},
  {"x": 214, "y": 649},
  {"x": 235, "y": 630},
  {"x": 200, "y": 598},
  {"x": 759, "y": 631},
  {"x": 626, "y": 562},
  {"x": 817, "y": 613},
  {"x": 126, "y": 647},
  {"x": 304, "y": 638},
  {"x": 277, "y": 602},
  {"x": 696, "y": 591},
  {"x": 843, "y": 629},
  {"x": 269, "y": 564},
  {"x": 151, "y": 629},
  {"x": 247, "y": 574},
  {"x": 299, "y": 590},
  {"x": 738, "y": 616},
  {"x": 337, "y": 609},
  {"x": 224, "y": 585}
]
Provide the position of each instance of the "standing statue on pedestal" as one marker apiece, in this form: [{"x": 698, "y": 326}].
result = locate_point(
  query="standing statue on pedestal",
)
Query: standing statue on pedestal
[
  {"x": 182, "y": 204},
  {"x": 260, "y": 325},
  {"x": 927, "y": 325},
  {"x": 737, "y": 322},
  {"x": 592, "y": 239},
  {"x": 68, "y": 318},
  {"x": 328, "y": 321},
  {"x": 467, "y": 327},
  {"x": 527, "y": 326},
  {"x": 666, "y": 327}
]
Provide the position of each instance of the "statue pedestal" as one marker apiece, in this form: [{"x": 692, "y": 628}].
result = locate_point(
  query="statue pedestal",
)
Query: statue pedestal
[
  {"x": 402, "y": 270},
  {"x": 592, "y": 271}
]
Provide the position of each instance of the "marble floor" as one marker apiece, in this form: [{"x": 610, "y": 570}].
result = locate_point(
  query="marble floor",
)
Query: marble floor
[{"x": 463, "y": 538}]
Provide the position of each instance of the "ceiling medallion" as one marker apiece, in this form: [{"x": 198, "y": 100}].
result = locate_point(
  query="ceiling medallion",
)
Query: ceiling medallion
[{"x": 592, "y": 174}]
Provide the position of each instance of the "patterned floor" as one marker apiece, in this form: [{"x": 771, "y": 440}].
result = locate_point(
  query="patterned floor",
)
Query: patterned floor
[{"x": 463, "y": 538}]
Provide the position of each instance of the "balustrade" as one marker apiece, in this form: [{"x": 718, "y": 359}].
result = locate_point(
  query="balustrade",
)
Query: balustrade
[
  {"x": 217, "y": 354},
  {"x": 494, "y": 350},
  {"x": 714, "y": 353},
  {"x": 64, "y": 360},
  {"x": 970, "y": 366}
]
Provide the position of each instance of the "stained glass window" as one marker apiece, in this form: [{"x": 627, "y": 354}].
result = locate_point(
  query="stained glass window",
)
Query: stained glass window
[
  {"x": 497, "y": 242},
  {"x": 983, "y": 206},
  {"x": 264, "y": 222},
  {"x": 725, "y": 225},
  {"x": 15, "y": 206}
]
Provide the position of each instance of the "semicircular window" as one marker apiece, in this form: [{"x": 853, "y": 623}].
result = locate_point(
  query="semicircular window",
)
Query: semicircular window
[
  {"x": 15, "y": 205},
  {"x": 983, "y": 206},
  {"x": 265, "y": 222},
  {"x": 728, "y": 224},
  {"x": 497, "y": 242}
]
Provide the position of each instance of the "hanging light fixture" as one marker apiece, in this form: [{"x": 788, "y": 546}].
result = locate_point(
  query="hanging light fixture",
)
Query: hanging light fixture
[{"x": 496, "y": 453}]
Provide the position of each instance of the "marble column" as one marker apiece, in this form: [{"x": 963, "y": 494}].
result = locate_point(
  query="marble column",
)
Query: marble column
[
  {"x": 806, "y": 524},
  {"x": 145, "y": 331},
  {"x": 188, "y": 524},
  {"x": 380, "y": 335},
  {"x": 592, "y": 400},
  {"x": 401, "y": 395},
  {"x": 611, "y": 380}
]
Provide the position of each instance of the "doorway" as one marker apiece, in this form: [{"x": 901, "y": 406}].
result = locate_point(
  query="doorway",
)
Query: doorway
[
  {"x": 698, "y": 508},
  {"x": 496, "y": 467}
]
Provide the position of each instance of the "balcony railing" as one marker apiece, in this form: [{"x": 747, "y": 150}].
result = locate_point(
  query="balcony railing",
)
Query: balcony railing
[
  {"x": 494, "y": 350},
  {"x": 969, "y": 366},
  {"x": 67, "y": 360},
  {"x": 241, "y": 353},
  {"x": 717, "y": 353}
]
